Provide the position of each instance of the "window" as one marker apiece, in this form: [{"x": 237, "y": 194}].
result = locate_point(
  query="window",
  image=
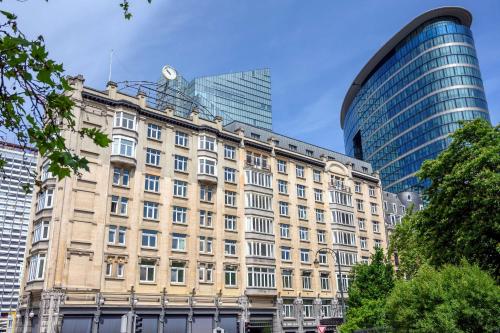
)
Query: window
[
  {"x": 206, "y": 193},
  {"x": 360, "y": 205},
  {"x": 109, "y": 268},
  {"x": 178, "y": 242},
  {"x": 116, "y": 235},
  {"x": 123, "y": 146},
  {"x": 324, "y": 280},
  {"x": 326, "y": 308},
  {"x": 206, "y": 143},
  {"x": 281, "y": 166},
  {"x": 306, "y": 280},
  {"x": 37, "y": 267},
  {"x": 149, "y": 238},
  {"x": 320, "y": 215},
  {"x": 283, "y": 208},
  {"x": 230, "y": 198},
  {"x": 323, "y": 258},
  {"x": 260, "y": 249},
  {"x": 150, "y": 210},
  {"x": 285, "y": 230},
  {"x": 254, "y": 136},
  {"x": 317, "y": 176},
  {"x": 260, "y": 224},
  {"x": 178, "y": 273},
  {"x": 179, "y": 214},
  {"x": 378, "y": 243},
  {"x": 365, "y": 260},
  {"x": 299, "y": 171},
  {"x": 292, "y": 147},
  {"x": 230, "y": 247},
  {"x": 288, "y": 310},
  {"x": 154, "y": 131},
  {"x": 342, "y": 282},
  {"x": 120, "y": 268},
  {"x": 318, "y": 195},
  {"x": 303, "y": 234},
  {"x": 342, "y": 217},
  {"x": 152, "y": 183},
  {"x": 309, "y": 152},
  {"x": 385, "y": 205},
  {"x": 152, "y": 156},
  {"x": 344, "y": 238},
  {"x": 180, "y": 163},
  {"x": 229, "y": 152},
  {"x": 258, "y": 178},
  {"x": 121, "y": 177},
  {"x": 230, "y": 276},
  {"x": 302, "y": 210},
  {"x": 257, "y": 160},
  {"x": 261, "y": 277},
  {"x": 308, "y": 310},
  {"x": 362, "y": 224},
  {"x": 304, "y": 255},
  {"x": 181, "y": 139},
  {"x": 46, "y": 174},
  {"x": 371, "y": 191},
  {"x": 45, "y": 199},
  {"x": 394, "y": 208},
  {"x": 180, "y": 188},
  {"x": 206, "y": 218},
  {"x": 376, "y": 226},
  {"x": 347, "y": 258},
  {"x": 282, "y": 186},
  {"x": 230, "y": 222},
  {"x": 40, "y": 231},
  {"x": 258, "y": 201},
  {"x": 365, "y": 169},
  {"x": 340, "y": 198},
  {"x": 286, "y": 276},
  {"x": 206, "y": 166},
  {"x": 373, "y": 208},
  {"x": 119, "y": 205},
  {"x": 321, "y": 236},
  {"x": 205, "y": 244},
  {"x": 147, "y": 271},
  {"x": 230, "y": 175},
  {"x": 363, "y": 243},
  {"x": 205, "y": 272},
  {"x": 286, "y": 253},
  {"x": 357, "y": 187},
  {"x": 301, "y": 191},
  {"x": 125, "y": 120}
]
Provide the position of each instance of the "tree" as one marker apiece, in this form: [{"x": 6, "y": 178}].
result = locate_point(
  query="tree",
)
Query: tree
[
  {"x": 454, "y": 299},
  {"x": 370, "y": 284},
  {"x": 462, "y": 215},
  {"x": 35, "y": 99}
]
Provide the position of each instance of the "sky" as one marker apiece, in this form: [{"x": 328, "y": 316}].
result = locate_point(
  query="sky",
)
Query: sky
[{"x": 313, "y": 48}]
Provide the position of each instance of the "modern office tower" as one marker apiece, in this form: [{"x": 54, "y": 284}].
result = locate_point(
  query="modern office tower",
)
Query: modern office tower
[
  {"x": 191, "y": 226},
  {"x": 15, "y": 208},
  {"x": 411, "y": 95},
  {"x": 241, "y": 96}
]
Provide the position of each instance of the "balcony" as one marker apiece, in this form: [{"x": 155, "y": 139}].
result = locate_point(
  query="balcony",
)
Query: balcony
[
  {"x": 258, "y": 163},
  {"x": 122, "y": 160},
  {"x": 206, "y": 178},
  {"x": 339, "y": 186}
]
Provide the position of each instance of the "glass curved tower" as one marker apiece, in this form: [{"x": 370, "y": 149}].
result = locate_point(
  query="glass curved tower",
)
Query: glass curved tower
[{"x": 411, "y": 95}]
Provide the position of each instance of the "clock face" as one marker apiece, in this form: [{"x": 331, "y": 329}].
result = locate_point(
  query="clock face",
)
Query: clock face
[{"x": 169, "y": 73}]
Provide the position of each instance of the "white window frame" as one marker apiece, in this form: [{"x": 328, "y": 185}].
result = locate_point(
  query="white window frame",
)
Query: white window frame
[
  {"x": 154, "y": 131},
  {"x": 181, "y": 139},
  {"x": 122, "y": 121},
  {"x": 129, "y": 144}
]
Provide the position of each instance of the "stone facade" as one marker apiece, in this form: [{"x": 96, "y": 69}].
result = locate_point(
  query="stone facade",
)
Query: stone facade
[{"x": 194, "y": 226}]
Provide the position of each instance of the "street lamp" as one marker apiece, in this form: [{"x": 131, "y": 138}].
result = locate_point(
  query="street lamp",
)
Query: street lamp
[{"x": 335, "y": 256}]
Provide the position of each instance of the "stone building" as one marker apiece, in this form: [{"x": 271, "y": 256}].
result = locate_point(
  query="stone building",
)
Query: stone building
[{"x": 188, "y": 226}]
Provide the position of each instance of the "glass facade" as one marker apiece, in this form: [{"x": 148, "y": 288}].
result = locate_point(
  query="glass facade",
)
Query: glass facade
[
  {"x": 242, "y": 96},
  {"x": 412, "y": 99}
]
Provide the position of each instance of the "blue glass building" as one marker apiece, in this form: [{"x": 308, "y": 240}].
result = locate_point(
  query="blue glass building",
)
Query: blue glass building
[
  {"x": 408, "y": 99},
  {"x": 241, "y": 96}
]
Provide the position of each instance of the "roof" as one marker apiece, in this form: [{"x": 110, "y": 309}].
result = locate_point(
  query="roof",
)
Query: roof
[
  {"x": 463, "y": 15},
  {"x": 306, "y": 149}
]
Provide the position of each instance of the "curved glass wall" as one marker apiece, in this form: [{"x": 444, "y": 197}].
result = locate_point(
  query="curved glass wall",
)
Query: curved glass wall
[{"x": 414, "y": 98}]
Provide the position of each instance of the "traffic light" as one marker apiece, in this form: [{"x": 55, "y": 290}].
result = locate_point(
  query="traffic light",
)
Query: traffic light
[{"x": 137, "y": 324}]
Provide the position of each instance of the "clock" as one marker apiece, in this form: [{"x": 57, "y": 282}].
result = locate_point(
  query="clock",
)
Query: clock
[{"x": 169, "y": 72}]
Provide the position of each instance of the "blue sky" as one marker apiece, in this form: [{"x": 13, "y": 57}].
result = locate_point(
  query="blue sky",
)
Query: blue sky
[{"x": 313, "y": 48}]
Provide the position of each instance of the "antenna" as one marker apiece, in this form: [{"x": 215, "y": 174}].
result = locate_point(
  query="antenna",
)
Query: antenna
[{"x": 110, "y": 64}]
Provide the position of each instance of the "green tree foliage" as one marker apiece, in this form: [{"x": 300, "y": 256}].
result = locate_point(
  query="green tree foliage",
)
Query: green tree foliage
[
  {"x": 454, "y": 299},
  {"x": 369, "y": 287},
  {"x": 462, "y": 216}
]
